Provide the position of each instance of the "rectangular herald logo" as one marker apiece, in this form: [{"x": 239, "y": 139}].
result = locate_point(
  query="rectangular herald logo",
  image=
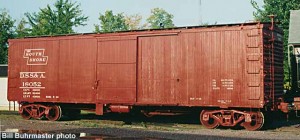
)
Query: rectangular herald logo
[{"x": 35, "y": 56}]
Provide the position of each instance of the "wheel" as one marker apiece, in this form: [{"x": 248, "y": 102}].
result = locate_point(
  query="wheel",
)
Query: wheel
[
  {"x": 207, "y": 120},
  {"x": 37, "y": 111},
  {"x": 41, "y": 112},
  {"x": 257, "y": 121},
  {"x": 26, "y": 112},
  {"x": 54, "y": 113}
]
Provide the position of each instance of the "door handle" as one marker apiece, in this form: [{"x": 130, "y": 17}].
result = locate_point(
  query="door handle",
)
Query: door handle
[{"x": 96, "y": 84}]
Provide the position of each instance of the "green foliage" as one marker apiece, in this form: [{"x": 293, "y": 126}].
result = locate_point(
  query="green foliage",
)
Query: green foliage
[
  {"x": 159, "y": 18},
  {"x": 6, "y": 32},
  {"x": 59, "y": 20},
  {"x": 281, "y": 9},
  {"x": 21, "y": 29},
  {"x": 133, "y": 21},
  {"x": 111, "y": 23}
]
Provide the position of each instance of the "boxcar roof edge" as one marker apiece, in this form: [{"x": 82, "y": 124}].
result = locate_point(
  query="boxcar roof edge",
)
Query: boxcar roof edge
[{"x": 142, "y": 30}]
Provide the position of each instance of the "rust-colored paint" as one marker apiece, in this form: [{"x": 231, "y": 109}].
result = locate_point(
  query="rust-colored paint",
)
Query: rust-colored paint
[
  {"x": 162, "y": 70},
  {"x": 76, "y": 68},
  {"x": 116, "y": 71},
  {"x": 222, "y": 66}
]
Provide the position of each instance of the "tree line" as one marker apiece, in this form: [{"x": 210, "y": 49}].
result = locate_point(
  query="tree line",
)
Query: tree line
[
  {"x": 65, "y": 15},
  {"x": 281, "y": 10}
]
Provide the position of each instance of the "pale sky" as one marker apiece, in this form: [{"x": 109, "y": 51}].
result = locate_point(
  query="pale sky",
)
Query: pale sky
[{"x": 186, "y": 12}]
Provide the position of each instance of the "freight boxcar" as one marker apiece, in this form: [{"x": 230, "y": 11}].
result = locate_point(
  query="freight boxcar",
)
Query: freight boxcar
[{"x": 233, "y": 73}]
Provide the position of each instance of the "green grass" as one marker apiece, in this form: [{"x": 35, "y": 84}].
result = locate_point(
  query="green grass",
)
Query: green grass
[
  {"x": 8, "y": 112},
  {"x": 95, "y": 122},
  {"x": 89, "y": 120},
  {"x": 87, "y": 112},
  {"x": 10, "y": 115},
  {"x": 135, "y": 125}
]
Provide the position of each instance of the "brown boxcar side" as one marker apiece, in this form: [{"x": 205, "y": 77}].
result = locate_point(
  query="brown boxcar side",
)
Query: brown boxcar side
[
  {"x": 224, "y": 67},
  {"x": 52, "y": 70}
]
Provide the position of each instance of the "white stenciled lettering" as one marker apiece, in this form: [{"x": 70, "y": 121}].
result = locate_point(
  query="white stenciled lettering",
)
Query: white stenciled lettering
[
  {"x": 32, "y": 75},
  {"x": 24, "y": 90},
  {"x": 42, "y": 75},
  {"x": 35, "y": 56},
  {"x": 37, "y": 60},
  {"x": 223, "y": 84},
  {"x": 30, "y": 53},
  {"x": 31, "y": 92},
  {"x": 32, "y": 89},
  {"x": 36, "y": 96},
  {"x": 26, "y": 96},
  {"x": 227, "y": 83},
  {"x": 31, "y": 84},
  {"x": 214, "y": 85},
  {"x": 37, "y": 90},
  {"x": 36, "y": 93}
]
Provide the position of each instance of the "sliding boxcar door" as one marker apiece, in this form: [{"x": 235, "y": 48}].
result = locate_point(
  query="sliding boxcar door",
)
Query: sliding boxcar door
[
  {"x": 116, "y": 71},
  {"x": 162, "y": 70},
  {"x": 76, "y": 70}
]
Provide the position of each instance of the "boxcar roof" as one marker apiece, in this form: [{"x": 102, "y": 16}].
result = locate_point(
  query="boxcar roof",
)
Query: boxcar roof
[{"x": 186, "y": 27}]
